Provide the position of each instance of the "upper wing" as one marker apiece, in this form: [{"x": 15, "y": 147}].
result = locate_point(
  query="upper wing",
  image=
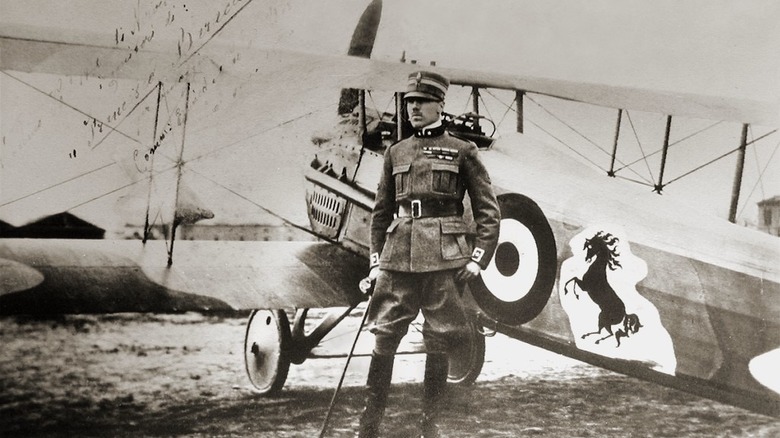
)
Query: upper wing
[
  {"x": 54, "y": 51},
  {"x": 78, "y": 53}
]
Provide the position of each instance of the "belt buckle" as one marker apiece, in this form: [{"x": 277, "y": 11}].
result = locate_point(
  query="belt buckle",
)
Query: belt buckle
[{"x": 416, "y": 208}]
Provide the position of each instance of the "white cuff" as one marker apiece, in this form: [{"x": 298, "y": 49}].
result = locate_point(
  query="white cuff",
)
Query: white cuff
[{"x": 477, "y": 254}]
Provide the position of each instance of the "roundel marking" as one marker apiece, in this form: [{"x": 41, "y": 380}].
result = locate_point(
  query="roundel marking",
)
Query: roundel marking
[
  {"x": 517, "y": 283},
  {"x": 513, "y": 270},
  {"x": 507, "y": 259}
]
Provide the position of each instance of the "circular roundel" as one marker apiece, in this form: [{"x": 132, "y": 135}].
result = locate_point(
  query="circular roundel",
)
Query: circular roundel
[
  {"x": 265, "y": 344},
  {"x": 516, "y": 285}
]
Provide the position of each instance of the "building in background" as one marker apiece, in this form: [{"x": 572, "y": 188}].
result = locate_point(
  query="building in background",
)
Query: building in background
[
  {"x": 57, "y": 226},
  {"x": 240, "y": 232},
  {"x": 769, "y": 216},
  {"x": 228, "y": 224}
]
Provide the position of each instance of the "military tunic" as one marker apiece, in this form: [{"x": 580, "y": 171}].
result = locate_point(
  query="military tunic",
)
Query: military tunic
[{"x": 420, "y": 237}]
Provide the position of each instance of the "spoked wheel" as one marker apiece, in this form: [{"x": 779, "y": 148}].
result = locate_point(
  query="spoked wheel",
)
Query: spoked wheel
[
  {"x": 265, "y": 344},
  {"x": 518, "y": 282},
  {"x": 466, "y": 362}
]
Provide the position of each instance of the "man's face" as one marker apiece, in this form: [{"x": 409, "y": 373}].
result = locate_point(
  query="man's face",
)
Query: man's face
[{"x": 423, "y": 112}]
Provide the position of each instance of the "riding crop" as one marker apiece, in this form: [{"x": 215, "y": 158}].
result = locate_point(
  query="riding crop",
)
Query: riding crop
[{"x": 366, "y": 286}]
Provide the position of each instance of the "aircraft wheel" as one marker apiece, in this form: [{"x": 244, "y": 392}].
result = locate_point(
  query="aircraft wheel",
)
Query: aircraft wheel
[
  {"x": 466, "y": 362},
  {"x": 265, "y": 345},
  {"x": 518, "y": 282}
]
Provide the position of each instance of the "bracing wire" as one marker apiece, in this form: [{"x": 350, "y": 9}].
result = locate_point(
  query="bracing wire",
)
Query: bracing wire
[
  {"x": 58, "y": 184},
  {"x": 639, "y": 143},
  {"x": 697, "y": 168},
  {"x": 719, "y": 158},
  {"x": 376, "y": 107},
  {"x": 151, "y": 174},
  {"x": 215, "y": 32},
  {"x": 182, "y": 162},
  {"x": 262, "y": 207},
  {"x": 674, "y": 143},
  {"x": 485, "y": 106},
  {"x": 69, "y": 105},
  {"x": 156, "y": 173},
  {"x": 262, "y": 132},
  {"x": 509, "y": 109},
  {"x": 112, "y": 129},
  {"x": 572, "y": 128},
  {"x": 140, "y": 101},
  {"x": 643, "y": 183},
  {"x": 761, "y": 176},
  {"x": 758, "y": 164},
  {"x": 103, "y": 195},
  {"x": 466, "y": 105},
  {"x": 564, "y": 143},
  {"x": 570, "y": 147}
]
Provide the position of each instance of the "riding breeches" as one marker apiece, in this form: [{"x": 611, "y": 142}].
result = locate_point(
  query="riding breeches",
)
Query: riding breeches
[{"x": 400, "y": 296}]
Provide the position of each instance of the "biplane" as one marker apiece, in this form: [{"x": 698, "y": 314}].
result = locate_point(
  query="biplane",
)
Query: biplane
[{"x": 588, "y": 266}]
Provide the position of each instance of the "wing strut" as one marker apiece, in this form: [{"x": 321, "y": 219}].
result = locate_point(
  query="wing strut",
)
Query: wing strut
[
  {"x": 738, "y": 175},
  {"x": 475, "y": 104},
  {"x": 179, "y": 165},
  {"x": 519, "y": 94},
  {"x": 615, "y": 144},
  {"x": 151, "y": 168},
  {"x": 660, "y": 186}
]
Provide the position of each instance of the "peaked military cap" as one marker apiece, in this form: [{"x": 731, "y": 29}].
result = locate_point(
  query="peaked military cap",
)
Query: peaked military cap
[{"x": 427, "y": 85}]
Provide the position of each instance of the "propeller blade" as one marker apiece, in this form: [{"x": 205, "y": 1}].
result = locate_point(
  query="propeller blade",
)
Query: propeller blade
[{"x": 361, "y": 45}]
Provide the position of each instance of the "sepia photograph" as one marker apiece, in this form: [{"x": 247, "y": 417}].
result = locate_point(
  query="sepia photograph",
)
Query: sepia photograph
[{"x": 389, "y": 218}]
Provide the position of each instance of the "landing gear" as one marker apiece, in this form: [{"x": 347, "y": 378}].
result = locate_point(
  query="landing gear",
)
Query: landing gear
[
  {"x": 266, "y": 344},
  {"x": 270, "y": 346},
  {"x": 466, "y": 362}
]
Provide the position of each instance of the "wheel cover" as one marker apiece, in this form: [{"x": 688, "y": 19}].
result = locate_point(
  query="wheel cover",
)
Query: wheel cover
[
  {"x": 267, "y": 337},
  {"x": 465, "y": 363}
]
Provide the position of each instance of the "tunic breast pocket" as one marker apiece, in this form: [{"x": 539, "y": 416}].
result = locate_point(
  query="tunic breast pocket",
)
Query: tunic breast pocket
[
  {"x": 401, "y": 176},
  {"x": 445, "y": 178}
]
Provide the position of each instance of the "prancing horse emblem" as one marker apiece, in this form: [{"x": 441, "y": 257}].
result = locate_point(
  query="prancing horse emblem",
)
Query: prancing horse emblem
[{"x": 595, "y": 283}]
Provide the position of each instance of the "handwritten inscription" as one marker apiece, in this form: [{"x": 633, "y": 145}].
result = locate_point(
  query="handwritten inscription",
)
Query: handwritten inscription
[
  {"x": 143, "y": 159},
  {"x": 150, "y": 22},
  {"x": 189, "y": 38}
]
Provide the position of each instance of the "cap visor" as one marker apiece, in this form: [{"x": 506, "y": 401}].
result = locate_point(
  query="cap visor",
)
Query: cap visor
[{"x": 420, "y": 95}]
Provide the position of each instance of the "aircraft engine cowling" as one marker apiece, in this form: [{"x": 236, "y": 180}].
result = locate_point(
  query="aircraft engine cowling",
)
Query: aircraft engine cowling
[{"x": 516, "y": 285}]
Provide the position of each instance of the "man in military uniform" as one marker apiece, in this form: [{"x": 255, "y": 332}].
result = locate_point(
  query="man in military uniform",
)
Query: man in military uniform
[{"x": 423, "y": 251}]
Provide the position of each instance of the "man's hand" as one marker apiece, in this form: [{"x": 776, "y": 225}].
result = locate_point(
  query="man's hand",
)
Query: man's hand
[
  {"x": 367, "y": 284},
  {"x": 468, "y": 272}
]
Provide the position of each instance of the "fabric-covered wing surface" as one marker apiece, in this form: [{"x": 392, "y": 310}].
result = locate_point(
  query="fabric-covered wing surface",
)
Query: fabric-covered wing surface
[{"x": 44, "y": 50}]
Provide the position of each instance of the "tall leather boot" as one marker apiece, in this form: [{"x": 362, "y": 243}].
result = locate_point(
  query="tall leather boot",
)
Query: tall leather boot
[
  {"x": 434, "y": 384},
  {"x": 380, "y": 373}
]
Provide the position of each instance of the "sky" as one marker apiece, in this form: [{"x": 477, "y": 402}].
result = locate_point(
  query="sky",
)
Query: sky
[{"x": 721, "y": 48}]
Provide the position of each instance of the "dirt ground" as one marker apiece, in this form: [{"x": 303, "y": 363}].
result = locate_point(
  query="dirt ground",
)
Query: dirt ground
[{"x": 183, "y": 375}]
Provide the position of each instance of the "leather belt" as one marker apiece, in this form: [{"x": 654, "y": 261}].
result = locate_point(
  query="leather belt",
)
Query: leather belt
[{"x": 419, "y": 208}]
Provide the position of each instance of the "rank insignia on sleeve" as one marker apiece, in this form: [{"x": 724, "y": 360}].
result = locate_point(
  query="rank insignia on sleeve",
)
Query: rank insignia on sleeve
[
  {"x": 477, "y": 254},
  {"x": 374, "y": 259}
]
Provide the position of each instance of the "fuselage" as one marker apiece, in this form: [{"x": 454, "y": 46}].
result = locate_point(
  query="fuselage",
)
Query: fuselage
[{"x": 706, "y": 300}]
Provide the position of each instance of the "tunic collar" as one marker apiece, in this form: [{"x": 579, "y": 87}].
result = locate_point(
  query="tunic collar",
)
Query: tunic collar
[{"x": 435, "y": 129}]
